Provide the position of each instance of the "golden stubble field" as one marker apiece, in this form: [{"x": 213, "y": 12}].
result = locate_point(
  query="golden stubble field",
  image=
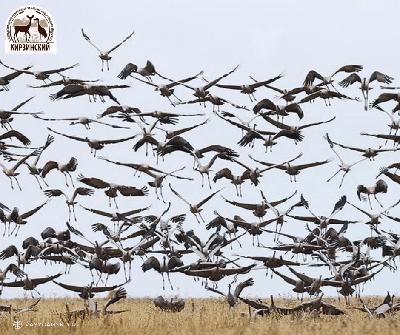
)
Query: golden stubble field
[{"x": 201, "y": 316}]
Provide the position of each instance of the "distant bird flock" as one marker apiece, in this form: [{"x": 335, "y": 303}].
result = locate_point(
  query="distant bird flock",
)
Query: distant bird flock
[{"x": 166, "y": 243}]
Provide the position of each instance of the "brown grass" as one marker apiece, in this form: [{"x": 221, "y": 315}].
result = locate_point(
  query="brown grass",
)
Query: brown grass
[{"x": 210, "y": 316}]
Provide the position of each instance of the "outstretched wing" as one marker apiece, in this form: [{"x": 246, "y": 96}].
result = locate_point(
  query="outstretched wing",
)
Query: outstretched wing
[
  {"x": 242, "y": 285},
  {"x": 86, "y": 37},
  {"x": 117, "y": 296},
  {"x": 350, "y": 80},
  {"x": 201, "y": 203},
  {"x": 32, "y": 211},
  {"x": 93, "y": 182},
  {"x": 19, "y": 136},
  {"x": 302, "y": 276},
  {"x": 127, "y": 38},
  {"x": 178, "y": 195}
]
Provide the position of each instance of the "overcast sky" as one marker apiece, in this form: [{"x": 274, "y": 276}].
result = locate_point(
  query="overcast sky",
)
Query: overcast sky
[{"x": 182, "y": 38}]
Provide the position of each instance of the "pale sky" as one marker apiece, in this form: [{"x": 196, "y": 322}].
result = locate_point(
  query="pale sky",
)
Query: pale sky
[{"x": 182, "y": 38}]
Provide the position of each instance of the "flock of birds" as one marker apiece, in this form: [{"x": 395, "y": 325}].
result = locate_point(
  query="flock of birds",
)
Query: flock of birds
[{"x": 164, "y": 242}]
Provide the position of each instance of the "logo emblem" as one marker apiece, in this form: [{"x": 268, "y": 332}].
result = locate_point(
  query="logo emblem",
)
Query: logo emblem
[
  {"x": 17, "y": 324},
  {"x": 30, "y": 29}
]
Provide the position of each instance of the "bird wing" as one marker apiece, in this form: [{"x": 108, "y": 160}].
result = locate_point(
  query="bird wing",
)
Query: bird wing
[
  {"x": 9, "y": 252},
  {"x": 339, "y": 205},
  {"x": 77, "y": 233},
  {"x": 38, "y": 281},
  {"x": 231, "y": 87},
  {"x": 183, "y": 80},
  {"x": 183, "y": 130},
  {"x": 201, "y": 203},
  {"x": 214, "y": 290},
  {"x": 220, "y": 149},
  {"x": 72, "y": 164},
  {"x": 295, "y": 108},
  {"x": 180, "y": 143},
  {"x": 316, "y": 123},
  {"x": 134, "y": 211},
  {"x": 23, "y": 159},
  {"x": 245, "y": 269},
  {"x": 174, "y": 262},
  {"x": 269, "y": 164},
  {"x": 249, "y": 137},
  {"x": 242, "y": 285},
  {"x": 17, "y": 283},
  {"x": 27, "y": 309},
  {"x": 117, "y": 140},
  {"x": 127, "y": 70},
  {"x": 350, "y": 80},
  {"x": 82, "y": 191},
  {"x": 117, "y": 296},
  {"x": 349, "y": 68},
  {"x": 68, "y": 136},
  {"x": 178, "y": 218},
  {"x": 86, "y": 37},
  {"x": 237, "y": 124},
  {"x": 241, "y": 223},
  {"x": 388, "y": 137},
  {"x": 93, "y": 182},
  {"x": 131, "y": 165},
  {"x": 382, "y": 78},
  {"x": 305, "y": 166},
  {"x": 310, "y": 97},
  {"x": 60, "y": 69},
  {"x": 32, "y": 211},
  {"x": 361, "y": 210},
  {"x": 178, "y": 195},
  {"x": 302, "y": 276},
  {"x": 266, "y": 82},
  {"x": 295, "y": 135},
  {"x": 48, "y": 119},
  {"x": 384, "y": 97},
  {"x": 212, "y": 83},
  {"x": 251, "y": 207},
  {"x": 303, "y": 218},
  {"x": 151, "y": 263},
  {"x": 21, "y": 71},
  {"x": 264, "y": 104},
  {"x": 133, "y": 191},
  {"x": 54, "y": 83},
  {"x": 50, "y": 165},
  {"x": 392, "y": 217},
  {"x": 14, "y": 75},
  {"x": 311, "y": 75},
  {"x": 278, "y": 202},
  {"x": 278, "y": 124},
  {"x": 349, "y": 147},
  {"x": 148, "y": 83},
  {"x": 285, "y": 278},
  {"x": 223, "y": 173},
  {"x": 254, "y": 304},
  {"x": 112, "y": 49},
  {"x": 21, "y": 104},
  {"x": 19, "y": 136},
  {"x": 54, "y": 193}
]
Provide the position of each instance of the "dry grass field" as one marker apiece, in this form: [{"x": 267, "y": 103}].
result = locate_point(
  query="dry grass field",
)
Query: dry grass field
[{"x": 208, "y": 316}]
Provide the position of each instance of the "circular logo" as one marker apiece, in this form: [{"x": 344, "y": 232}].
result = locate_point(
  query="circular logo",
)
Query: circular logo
[{"x": 30, "y": 25}]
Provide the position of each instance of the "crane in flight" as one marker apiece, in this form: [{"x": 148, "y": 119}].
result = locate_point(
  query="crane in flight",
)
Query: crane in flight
[{"x": 105, "y": 55}]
